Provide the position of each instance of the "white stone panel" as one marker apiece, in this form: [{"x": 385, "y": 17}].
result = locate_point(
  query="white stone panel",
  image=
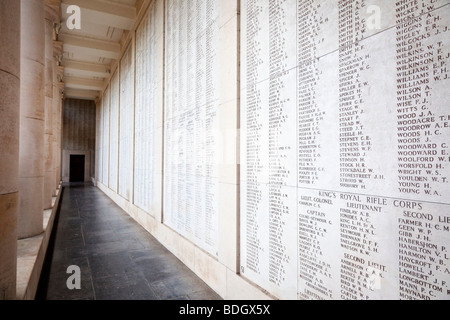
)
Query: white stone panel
[
  {"x": 114, "y": 134},
  {"x": 358, "y": 127},
  {"x": 147, "y": 161},
  {"x": 191, "y": 121},
  {"x": 105, "y": 137},
  {"x": 126, "y": 123}
]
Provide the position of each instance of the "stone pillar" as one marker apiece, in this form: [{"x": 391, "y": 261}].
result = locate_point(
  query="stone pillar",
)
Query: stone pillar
[
  {"x": 9, "y": 143},
  {"x": 57, "y": 103},
  {"x": 59, "y": 159},
  {"x": 49, "y": 169},
  {"x": 58, "y": 135},
  {"x": 55, "y": 107},
  {"x": 31, "y": 163},
  {"x": 58, "y": 129}
]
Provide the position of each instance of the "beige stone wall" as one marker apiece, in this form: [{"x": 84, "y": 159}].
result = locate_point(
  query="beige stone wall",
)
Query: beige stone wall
[{"x": 79, "y": 125}]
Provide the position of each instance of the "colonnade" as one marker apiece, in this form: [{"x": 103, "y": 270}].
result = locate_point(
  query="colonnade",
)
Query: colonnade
[{"x": 30, "y": 125}]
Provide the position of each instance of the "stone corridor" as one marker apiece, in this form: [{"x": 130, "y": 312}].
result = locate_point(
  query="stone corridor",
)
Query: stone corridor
[{"x": 118, "y": 259}]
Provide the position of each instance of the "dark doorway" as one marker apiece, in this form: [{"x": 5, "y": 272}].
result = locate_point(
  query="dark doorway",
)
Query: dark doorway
[{"x": 77, "y": 168}]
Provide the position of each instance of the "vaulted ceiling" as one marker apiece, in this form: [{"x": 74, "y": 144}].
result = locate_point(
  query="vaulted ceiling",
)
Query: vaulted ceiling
[{"x": 90, "y": 52}]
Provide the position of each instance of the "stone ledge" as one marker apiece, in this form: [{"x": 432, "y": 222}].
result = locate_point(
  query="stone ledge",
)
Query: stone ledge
[{"x": 31, "y": 254}]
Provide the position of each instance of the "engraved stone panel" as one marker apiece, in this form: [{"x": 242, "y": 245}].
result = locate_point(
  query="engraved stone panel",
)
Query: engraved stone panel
[
  {"x": 147, "y": 184},
  {"x": 126, "y": 124},
  {"x": 191, "y": 121},
  {"x": 344, "y": 147},
  {"x": 114, "y": 133},
  {"x": 100, "y": 139},
  {"x": 105, "y": 138}
]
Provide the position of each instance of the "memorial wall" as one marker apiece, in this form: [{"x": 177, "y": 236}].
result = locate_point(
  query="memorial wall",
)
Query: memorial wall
[
  {"x": 148, "y": 116},
  {"x": 114, "y": 133},
  {"x": 105, "y": 137},
  {"x": 288, "y": 149},
  {"x": 78, "y": 135},
  {"x": 345, "y": 148},
  {"x": 191, "y": 121},
  {"x": 99, "y": 134},
  {"x": 126, "y": 117}
]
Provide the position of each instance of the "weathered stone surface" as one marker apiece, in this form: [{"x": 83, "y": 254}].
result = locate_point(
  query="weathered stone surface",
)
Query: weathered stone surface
[
  {"x": 10, "y": 39},
  {"x": 30, "y": 219},
  {"x": 9, "y": 143},
  {"x": 8, "y": 245},
  {"x": 9, "y": 132}
]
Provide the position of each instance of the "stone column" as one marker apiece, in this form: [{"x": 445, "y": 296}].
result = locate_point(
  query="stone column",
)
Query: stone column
[
  {"x": 57, "y": 103},
  {"x": 61, "y": 104},
  {"x": 9, "y": 143},
  {"x": 55, "y": 106},
  {"x": 31, "y": 164},
  {"x": 58, "y": 137},
  {"x": 49, "y": 169},
  {"x": 60, "y": 73}
]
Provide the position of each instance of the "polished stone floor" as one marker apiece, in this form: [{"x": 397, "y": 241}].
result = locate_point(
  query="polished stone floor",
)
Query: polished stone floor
[{"x": 117, "y": 258}]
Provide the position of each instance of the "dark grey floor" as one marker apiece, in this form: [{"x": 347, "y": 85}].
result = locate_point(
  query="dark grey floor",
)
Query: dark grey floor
[{"x": 118, "y": 259}]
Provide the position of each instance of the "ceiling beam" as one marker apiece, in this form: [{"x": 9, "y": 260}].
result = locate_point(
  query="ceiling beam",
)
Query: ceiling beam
[
  {"x": 90, "y": 47},
  {"x": 84, "y": 84},
  {"x": 80, "y": 94},
  {"x": 112, "y": 14},
  {"x": 84, "y": 69}
]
